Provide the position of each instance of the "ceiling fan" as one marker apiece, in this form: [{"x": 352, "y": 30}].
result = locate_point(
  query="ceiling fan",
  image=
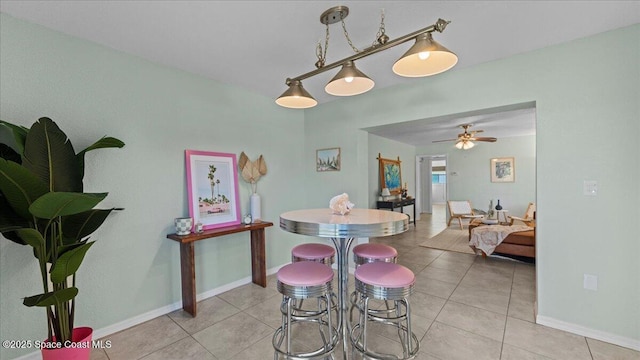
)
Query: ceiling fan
[{"x": 465, "y": 140}]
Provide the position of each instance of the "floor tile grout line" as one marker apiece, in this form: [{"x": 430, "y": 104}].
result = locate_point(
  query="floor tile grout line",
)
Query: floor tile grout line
[
  {"x": 506, "y": 319},
  {"x": 191, "y": 335},
  {"x": 588, "y": 348}
]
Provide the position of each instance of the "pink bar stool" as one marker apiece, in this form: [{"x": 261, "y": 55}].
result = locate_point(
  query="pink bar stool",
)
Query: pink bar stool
[
  {"x": 384, "y": 281},
  {"x": 368, "y": 253},
  {"x": 314, "y": 252},
  {"x": 304, "y": 280}
]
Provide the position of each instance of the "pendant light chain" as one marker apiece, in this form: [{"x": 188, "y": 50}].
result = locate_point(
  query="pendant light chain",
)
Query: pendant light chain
[
  {"x": 322, "y": 55},
  {"x": 346, "y": 34},
  {"x": 381, "y": 36}
]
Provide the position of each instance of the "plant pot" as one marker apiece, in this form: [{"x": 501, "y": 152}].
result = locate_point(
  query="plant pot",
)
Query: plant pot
[{"x": 78, "y": 349}]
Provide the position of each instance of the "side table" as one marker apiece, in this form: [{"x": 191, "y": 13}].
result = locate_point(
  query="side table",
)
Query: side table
[
  {"x": 399, "y": 203},
  {"x": 188, "y": 263}
]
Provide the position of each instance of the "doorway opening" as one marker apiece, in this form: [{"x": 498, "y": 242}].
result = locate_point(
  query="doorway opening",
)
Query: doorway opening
[{"x": 431, "y": 182}]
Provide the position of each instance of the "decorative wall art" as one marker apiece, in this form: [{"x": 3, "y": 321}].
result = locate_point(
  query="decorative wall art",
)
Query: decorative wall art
[
  {"x": 390, "y": 175},
  {"x": 328, "y": 159},
  {"x": 503, "y": 170},
  {"x": 212, "y": 188}
]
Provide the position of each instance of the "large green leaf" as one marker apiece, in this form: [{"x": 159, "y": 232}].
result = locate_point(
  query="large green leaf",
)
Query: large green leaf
[
  {"x": 7, "y": 153},
  {"x": 105, "y": 142},
  {"x": 79, "y": 226},
  {"x": 10, "y": 221},
  {"x": 20, "y": 187},
  {"x": 19, "y": 134},
  {"x": 51, "y": 298},
  {"x": 68, "y": 263},
  {"x": 31, "y": 237},
  {"x": 49, "y": 154},
  {"x": 54, "y": 204}
]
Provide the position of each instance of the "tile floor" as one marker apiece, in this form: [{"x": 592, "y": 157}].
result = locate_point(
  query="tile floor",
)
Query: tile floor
[{"x": 464, "y": 307}]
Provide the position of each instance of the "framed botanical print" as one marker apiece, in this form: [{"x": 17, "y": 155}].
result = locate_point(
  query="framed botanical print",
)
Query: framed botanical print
[
  {"x": 503, "y": 169},
  {"x": 328, "y": 159},
  {"x": 390, "y": 175}
]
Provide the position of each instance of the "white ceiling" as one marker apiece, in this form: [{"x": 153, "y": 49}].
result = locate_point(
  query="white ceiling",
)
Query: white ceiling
[
  {"x": 507, "y": 121},
  {"x": 256, "y": 45}
]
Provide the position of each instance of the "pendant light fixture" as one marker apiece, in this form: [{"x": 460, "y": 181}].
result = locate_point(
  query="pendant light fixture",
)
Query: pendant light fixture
[
  {"x": 426, "y": 57},
  {"x": 349, "y": 81},
  {"x": 296, "y": 97}
]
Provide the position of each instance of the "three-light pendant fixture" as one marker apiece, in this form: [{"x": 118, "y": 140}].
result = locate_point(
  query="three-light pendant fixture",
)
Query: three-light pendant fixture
[{"x": 426, "y": 57}]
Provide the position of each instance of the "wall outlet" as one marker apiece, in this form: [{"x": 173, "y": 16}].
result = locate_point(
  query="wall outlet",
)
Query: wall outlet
[{"x": 591, "y": 282}]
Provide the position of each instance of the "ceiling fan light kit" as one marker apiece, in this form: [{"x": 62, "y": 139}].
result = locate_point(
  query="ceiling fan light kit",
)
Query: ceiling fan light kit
[
  {"x": 425, "y": 58},
  {"x": 465, "y": 141},
  {"x": 465, "y": 144}
]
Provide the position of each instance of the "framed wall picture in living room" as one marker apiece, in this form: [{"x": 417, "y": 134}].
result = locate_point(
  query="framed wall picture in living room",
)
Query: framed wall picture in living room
[
  {"x": 390, "y": 175},
  {"x": 212, "y": 188},
  {"x": 503, "y": 169},
  {"x": 328, "y": 159}
]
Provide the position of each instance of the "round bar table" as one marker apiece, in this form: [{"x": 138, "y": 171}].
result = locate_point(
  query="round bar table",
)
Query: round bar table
[{"x": 342, "y": 229}]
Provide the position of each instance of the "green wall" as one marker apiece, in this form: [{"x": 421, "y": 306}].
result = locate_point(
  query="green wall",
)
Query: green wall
[
  {"x": 473, "y": 179},
  {"x": 586, "y": 94},
  {"x": 92, "y": 91},
  {"x": 587, "y": 124}
]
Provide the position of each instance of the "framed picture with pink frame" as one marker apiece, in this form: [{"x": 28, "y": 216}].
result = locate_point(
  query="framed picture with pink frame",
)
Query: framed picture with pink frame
[{"x": 212, "y": 188}]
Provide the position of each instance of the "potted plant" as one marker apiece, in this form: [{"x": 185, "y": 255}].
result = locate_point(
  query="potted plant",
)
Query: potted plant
[{"x": 42, "y": 204}]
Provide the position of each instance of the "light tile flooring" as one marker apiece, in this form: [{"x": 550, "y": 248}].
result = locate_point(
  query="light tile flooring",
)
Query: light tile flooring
[{"x": 464, "y": 307}]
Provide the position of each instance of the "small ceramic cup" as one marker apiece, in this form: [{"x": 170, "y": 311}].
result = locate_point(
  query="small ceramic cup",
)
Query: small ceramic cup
[{"x": 183, "y": 225}]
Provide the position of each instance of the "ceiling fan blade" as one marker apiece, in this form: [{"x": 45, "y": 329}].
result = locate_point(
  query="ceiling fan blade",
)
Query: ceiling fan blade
[
  {"x": 487, "y": 139},
  {"x": 445, "y": 140}
]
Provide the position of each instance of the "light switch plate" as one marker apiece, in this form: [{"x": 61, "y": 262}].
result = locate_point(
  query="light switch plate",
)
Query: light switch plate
[
  {"x": 590, "y": 282},
  {"x": 590, "y": 187}
]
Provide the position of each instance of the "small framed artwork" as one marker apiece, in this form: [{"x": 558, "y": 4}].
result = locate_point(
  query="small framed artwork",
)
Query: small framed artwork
[
  {"x": 212, "y": 188},
  {"x": 390, "y": 175},
  {"x": 503, "y": 170},
  {"x": 328, "y": 159}
]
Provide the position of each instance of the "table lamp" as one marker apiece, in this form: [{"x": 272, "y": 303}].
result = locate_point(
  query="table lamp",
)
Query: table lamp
[{"x": 385, "y": 193}]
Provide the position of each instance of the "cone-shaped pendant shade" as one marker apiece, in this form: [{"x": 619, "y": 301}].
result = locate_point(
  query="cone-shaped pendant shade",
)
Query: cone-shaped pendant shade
[
  {"x": 296, "y": 97},
  {"x": 349, "y": 81},
  {"x": 426, "y": 57}
]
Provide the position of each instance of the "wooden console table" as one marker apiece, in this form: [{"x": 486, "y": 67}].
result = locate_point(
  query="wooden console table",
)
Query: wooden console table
[
  {"x": 188, "y": 265},
  {"x": 399, "y": 203}
]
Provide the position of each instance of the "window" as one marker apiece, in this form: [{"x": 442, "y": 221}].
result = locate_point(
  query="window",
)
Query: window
[{"x": 439, "y": 178}]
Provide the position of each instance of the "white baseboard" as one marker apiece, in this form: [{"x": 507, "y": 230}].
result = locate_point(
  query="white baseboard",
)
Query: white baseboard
[
  {"x": 588, "y": 332},
  {"x": 139, "y": 319}
]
